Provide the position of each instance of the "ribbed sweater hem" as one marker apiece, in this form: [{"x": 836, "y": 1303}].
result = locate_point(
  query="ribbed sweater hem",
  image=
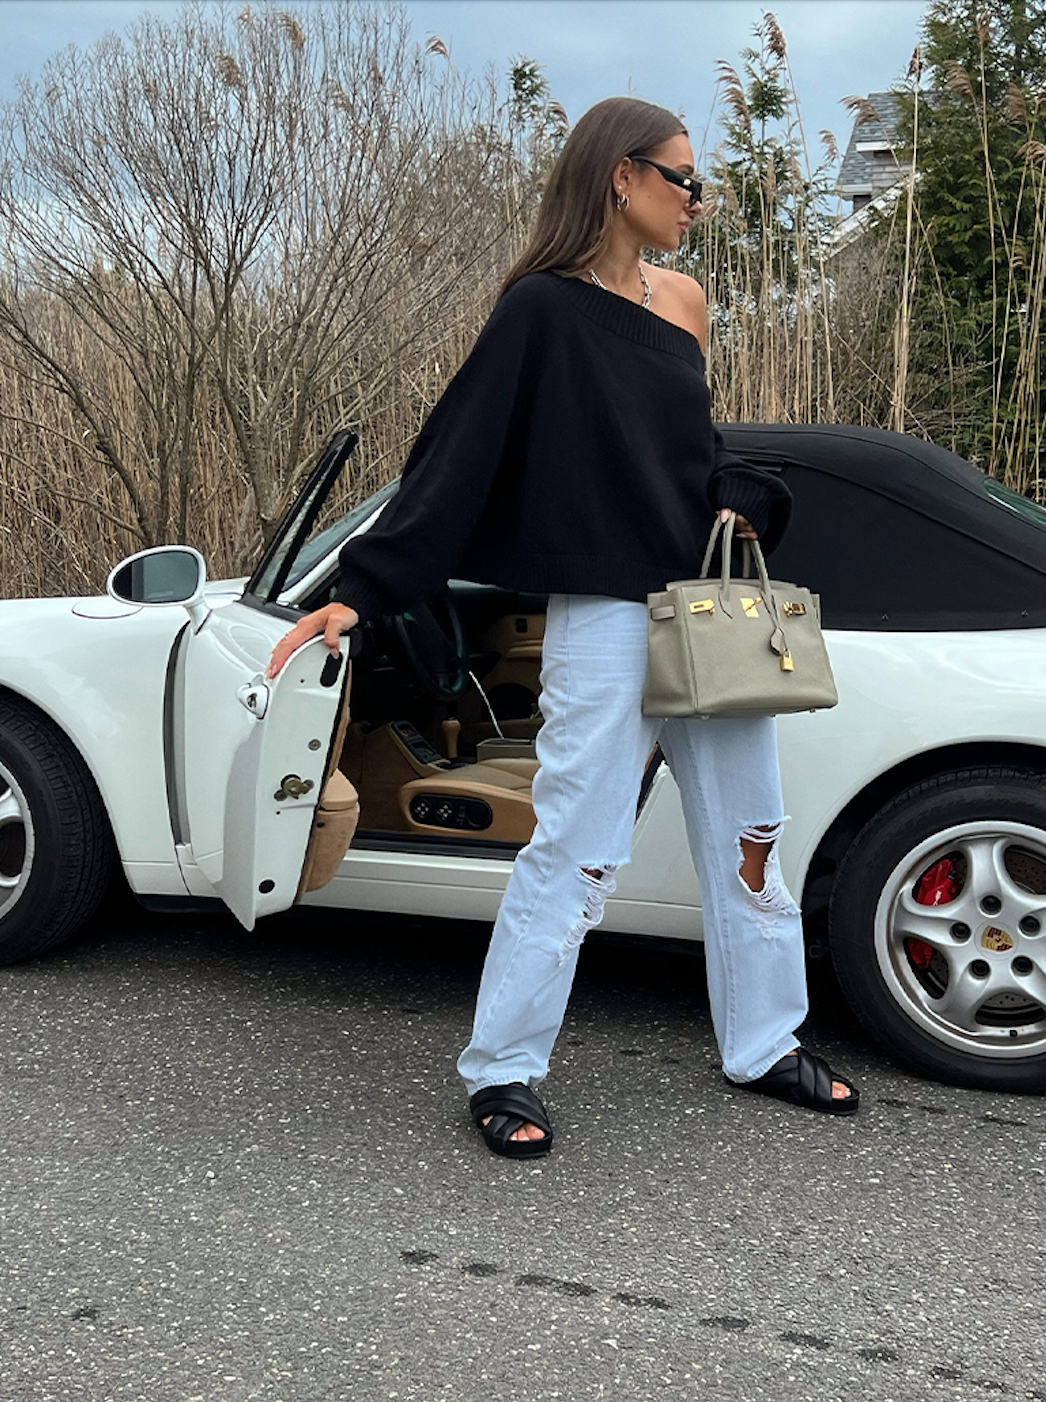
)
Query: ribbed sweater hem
[
  {"x": 584, "y": 574},
  {"x": 535, "y": 574}
]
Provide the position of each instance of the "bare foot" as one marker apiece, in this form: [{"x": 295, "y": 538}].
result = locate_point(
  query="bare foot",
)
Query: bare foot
[
  {"x": 839, "y": 1091},
  {"x": 525, "y": 1132}
]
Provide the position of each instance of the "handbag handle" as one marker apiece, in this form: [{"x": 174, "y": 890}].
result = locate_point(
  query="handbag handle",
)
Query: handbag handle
[
  {"x": 753, "y": 551},
  {"x": 746, "y": 549},
  {"x": 706, "y": 563}
]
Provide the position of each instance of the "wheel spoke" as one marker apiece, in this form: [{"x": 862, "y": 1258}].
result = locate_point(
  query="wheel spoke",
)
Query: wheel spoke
[
  {"x": 1033, "y": 986},
  {"x": 12, "y": 816},
  {"x": 986, "y": 873},
  {"x": 932, "y": 923},
  {"x": 962, "y": 998},
  {"x": 984, "y": 861},
  {"x": 10, "y": 809}
]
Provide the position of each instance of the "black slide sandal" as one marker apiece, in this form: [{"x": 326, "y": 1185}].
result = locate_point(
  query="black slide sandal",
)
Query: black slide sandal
[
  {"x": 510, "y": 1108},
  {"x": 800, "y": 1078}
]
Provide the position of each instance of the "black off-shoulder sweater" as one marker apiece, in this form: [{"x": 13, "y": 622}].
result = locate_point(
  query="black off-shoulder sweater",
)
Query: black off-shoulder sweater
[{"x": 574, "y": 453}]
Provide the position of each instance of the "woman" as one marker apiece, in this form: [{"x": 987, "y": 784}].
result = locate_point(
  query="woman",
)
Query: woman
[{"x": 574, "y": 453}]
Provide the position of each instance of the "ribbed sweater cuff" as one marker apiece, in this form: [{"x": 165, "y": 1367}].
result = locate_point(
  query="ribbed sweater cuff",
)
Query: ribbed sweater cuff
[
  {"x": 763, "y": 500},
  {"x": 360, "y": 592}
]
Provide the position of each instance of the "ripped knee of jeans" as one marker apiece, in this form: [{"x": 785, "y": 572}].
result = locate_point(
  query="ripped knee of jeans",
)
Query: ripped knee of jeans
[
  {"x": 599, "y": 884},
  {"x": 759, "y": 872}
]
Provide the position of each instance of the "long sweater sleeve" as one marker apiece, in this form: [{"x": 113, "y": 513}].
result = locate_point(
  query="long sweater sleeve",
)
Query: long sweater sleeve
[
  {"x": 419, "y": 538},
  {"x": 761, "y": 497}
]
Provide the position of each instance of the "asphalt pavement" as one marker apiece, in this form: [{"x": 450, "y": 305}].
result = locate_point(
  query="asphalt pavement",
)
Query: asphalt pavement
[{"x": 240, "y": 1167}]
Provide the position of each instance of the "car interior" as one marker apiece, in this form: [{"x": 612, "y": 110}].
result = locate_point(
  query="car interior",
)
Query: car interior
[{"x": 443, "y": 716}]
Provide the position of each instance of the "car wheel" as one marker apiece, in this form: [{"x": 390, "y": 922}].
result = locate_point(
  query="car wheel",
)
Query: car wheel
[
  {"x": 937, "y": 928},
  {"x": 56, "y": 847}
]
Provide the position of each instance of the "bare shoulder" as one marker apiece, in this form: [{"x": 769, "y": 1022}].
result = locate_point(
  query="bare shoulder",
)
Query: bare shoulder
[{"x": 679, "y": 298}]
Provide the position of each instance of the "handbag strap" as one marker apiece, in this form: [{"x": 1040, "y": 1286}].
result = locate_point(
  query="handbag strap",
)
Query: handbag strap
[
  {"x": 752, "y": 552},
  {"x": 717, "y": 526},
  {"x": 728, "y": 541}
]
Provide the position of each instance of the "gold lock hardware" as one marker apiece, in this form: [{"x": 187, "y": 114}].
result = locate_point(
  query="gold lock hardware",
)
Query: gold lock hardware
[
  {"x": 702, "y": 606},
  {"x": 292, "y": 786},
  {"x": 787, "y": 665},
  {"x": 794, "y": 610},
  {"x": 749, "y": 606}
]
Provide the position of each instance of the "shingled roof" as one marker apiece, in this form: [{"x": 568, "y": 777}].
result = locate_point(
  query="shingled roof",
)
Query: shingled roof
[{"x": 870, "y": 165}]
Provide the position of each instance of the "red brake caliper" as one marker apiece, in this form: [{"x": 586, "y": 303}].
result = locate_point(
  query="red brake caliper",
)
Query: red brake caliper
[{"x": 937, "y": 886}]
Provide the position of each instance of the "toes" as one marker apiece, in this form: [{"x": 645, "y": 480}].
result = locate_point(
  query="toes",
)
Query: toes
[
  {"x": 525, "y": 1132},
  {"x": 529, "y": 1132},
  {"x": 840, "y": 1091}
]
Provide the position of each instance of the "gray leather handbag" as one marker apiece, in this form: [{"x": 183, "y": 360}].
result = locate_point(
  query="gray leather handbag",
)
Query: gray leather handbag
[{"x": 735, "y": 647}]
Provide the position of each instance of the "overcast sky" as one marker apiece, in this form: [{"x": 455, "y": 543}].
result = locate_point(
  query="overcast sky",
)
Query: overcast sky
[{"x": 663, "y": 50}]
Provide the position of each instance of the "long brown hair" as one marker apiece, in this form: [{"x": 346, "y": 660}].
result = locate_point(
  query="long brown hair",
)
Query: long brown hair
[{"x": 573, "y": 223}]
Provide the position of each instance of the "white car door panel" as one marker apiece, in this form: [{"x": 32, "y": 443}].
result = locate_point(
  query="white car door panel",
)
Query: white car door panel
[{"x": 255, "y": 753}]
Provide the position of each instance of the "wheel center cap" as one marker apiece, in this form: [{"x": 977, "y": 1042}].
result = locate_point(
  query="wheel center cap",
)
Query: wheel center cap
[{"x": 993, "y": 937}]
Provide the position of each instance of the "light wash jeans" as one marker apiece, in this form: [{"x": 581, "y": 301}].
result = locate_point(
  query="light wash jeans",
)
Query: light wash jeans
[{"x": 593, "y": 748}]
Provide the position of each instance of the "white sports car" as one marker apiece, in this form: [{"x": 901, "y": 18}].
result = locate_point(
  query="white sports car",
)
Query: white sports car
[{"x": 139, "y": 727}]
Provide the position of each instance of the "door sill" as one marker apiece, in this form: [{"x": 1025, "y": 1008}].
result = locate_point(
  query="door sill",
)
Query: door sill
[{"x": 433, "y": 845}]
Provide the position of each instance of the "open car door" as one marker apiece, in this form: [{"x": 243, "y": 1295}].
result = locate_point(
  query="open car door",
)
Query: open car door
[{"x": 267, "y": 813}]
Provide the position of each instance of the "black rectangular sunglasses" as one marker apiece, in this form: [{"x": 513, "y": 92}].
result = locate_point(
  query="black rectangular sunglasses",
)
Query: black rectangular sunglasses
[{"x": 689, "y": 183}]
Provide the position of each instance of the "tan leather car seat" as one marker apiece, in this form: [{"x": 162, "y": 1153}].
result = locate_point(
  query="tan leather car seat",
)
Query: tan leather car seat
[{"x": 456, "y": 800}]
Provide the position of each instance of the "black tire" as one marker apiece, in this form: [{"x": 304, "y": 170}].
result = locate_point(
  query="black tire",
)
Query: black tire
[
  {"x": 56, "y": 847},
  {"x": 959, "y": 999}
]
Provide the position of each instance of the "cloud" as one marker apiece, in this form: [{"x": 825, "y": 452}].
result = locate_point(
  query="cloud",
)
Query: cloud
[{"x": 663, "y": 50}]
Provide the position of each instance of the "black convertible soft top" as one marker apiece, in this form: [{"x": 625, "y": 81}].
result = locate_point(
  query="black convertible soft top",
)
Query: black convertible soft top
[{"x": 897, "y": 534}]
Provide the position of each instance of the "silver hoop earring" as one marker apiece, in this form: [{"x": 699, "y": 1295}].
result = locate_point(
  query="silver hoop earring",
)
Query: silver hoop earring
[{"x": 622, "y": 201}]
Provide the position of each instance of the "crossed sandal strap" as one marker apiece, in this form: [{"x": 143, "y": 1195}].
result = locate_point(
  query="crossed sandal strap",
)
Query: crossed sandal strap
[
  {"x": 801, "y": 1078},
  {"x": 514, "y": 1102},
  {"x": 806, "y": 1079}
]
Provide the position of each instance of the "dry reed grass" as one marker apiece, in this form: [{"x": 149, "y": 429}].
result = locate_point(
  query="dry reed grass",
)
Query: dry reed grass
[
  {"x": 807, "y": 329},
  {"x": 204, "y": 279},
  {"x": 126, "y": 419}
]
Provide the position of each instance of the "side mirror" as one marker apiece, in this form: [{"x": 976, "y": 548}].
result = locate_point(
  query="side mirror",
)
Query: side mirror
[{"x": 167, "y": 574}]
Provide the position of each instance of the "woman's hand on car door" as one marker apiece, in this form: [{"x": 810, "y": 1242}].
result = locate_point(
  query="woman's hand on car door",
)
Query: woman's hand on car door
[{"x": 332, "y": 620}]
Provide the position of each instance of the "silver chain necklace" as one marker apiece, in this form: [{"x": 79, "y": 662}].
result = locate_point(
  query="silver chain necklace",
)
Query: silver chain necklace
[{"x": 642, "y": 277}]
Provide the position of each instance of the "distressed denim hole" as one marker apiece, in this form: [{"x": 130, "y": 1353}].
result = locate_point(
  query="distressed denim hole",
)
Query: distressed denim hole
[
  {"x": 772, "y": 899},
  {"x": 599, "y": 884}
]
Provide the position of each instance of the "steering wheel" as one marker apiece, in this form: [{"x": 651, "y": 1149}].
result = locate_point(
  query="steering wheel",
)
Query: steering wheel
[{"x": 432, "y": 643}]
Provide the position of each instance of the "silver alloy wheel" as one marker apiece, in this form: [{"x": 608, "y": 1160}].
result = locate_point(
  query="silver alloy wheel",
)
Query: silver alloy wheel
[
  {"x": 17, "y": 841},
  {"x": 971, "y": 972}
]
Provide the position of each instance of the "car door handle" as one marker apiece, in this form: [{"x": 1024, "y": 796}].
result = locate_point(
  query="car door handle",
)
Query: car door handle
[{"x": 255, "y": 697}]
